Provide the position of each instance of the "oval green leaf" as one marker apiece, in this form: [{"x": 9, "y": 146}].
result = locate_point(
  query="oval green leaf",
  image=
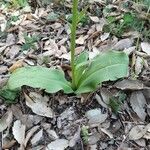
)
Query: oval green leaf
[
  {"x": 51, "y": 80},
  {"x": 107, "y": 66}
]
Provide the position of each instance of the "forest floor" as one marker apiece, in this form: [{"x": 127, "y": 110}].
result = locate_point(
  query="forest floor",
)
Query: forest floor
[{"x": 114, "y": 117}]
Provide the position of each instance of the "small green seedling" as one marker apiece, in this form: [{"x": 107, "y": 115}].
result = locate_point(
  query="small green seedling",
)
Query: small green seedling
[
  {"x": 29, "y": 42},
  {"x": 86, "y": 74}
]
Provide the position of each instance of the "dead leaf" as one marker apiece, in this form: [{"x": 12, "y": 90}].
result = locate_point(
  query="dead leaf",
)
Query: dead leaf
[
  {"x": 104, "y": 36},
  {"x": 138, "y": 103},
  {"x": 122, "y": 44},
  {"x": 137, "y": 132},
  {"x": 16, "y": 65},
  {"x": 13, "y": 51},
  {"x": 30, "y": 133},
  {"x": 80, "y": 40},
  {"x": 59, "y": 144},
  {"x": 95, "y": 116},
  {"x": 138, "y": 65},
  {"x": 75, "y": 138},
  {"x": 38, "y": 104},
  {"x": 10, "y": 39},
  {"x": 94, "y": 19},
  {"x": 145, "y": 47},
  {"x": 37, "y": 137},
  {"x": 52, "y": 134},
  {"x": 19, "y": 131},
  {"x": 6, "y": 120},
  {"x": 107, "y": 132},
  {"x": 128, "y": 84}
]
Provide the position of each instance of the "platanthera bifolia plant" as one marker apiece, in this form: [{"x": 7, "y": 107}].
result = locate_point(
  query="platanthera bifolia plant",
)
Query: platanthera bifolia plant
[{"x": 86, "y": 74}]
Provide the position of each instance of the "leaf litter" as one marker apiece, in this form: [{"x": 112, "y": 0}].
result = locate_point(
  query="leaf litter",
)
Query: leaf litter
[{"x": 53, "y": 121}]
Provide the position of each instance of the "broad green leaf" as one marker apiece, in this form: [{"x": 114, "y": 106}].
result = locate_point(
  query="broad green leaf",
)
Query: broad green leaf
[
  {"x": 81, "y": 58},
  {"x": 107, "y": 66},
  {"x": 51, "y": 80}
]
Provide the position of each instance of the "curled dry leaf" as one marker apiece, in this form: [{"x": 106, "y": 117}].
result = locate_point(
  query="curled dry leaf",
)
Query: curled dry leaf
[
  {"x": 6, "y": 120},
  {"x": 19, "y": 131},
  {"x": 39, "y": 105},
  {"x": 59, "y": 144},
  {"x": 138, "y": 103}
]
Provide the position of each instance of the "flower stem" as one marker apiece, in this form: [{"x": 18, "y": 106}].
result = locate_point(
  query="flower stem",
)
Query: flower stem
[{"x": 73, "y": 38}]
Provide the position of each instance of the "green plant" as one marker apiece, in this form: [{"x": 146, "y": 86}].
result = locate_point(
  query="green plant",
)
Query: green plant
[
  {"x": 29, "y": 42},
  {"x": 129, "y": 21},
  {"x": 86, "y": 74},
  {"x": 19, "y": 3},
  {"x": 85, "y": 134}
]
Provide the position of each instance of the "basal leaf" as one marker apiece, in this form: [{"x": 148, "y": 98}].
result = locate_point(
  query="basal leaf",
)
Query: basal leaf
[
  {"x": 81, "y": 63},
  {"x": 51, "y": 80},
  {"x": 107, "y": 66}
]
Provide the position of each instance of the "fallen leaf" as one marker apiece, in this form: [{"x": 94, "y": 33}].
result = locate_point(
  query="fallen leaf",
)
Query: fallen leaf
[
  {"x": 107, "y": 132},
  {"x": 59, "y": 144},
  {"x": 19, "y": 131},
  {"x": 52, "y": 134},
  {"x": 128, "y": 84},
  {"x": 16, "y": 65},
  {"x": 6, "y": 120},
  {"x": 123, "y": 44},
  {"x": 95, "y": 116},
  {"x": 37, "y": 137},
  {"x": 104, "y": 36},
  {"x": 10, "y": 39},
  {"x": 136, "y": 132},
  {"x": 94, "y": 19},
  {"x": 30, "y": 133},
  {"x": 145, "y": 47},
  {"x": 138, "y": 103},
  {"x": 80, "y": 40},
  {"x": 75, "y": 138},
  {"x": 38, "y": 104},
  {"x": 138, "y": 65}
]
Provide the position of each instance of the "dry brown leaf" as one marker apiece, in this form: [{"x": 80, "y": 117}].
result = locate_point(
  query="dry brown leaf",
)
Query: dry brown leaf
[
  {"x": 128, "y": 84},
  {"x": 138, "y": 65},
  {"x": 16, "y": 65},
  {"x": 39, "y": 105},
  {"x": 138, "y": 103},
  {"x": 80, "y": 40},
  {"x": 6, "y": 120},
  {"x": 137, "y": 132},
  {"x": 37, "y": 137},
  {"x": 19, "y": 131},
  {"x": 122, "y": 44},
  {"x": 10, "y": 39},
  {"x": 59, "y": 144},
  {"x": 94, "y": 19},
  {"x": 30, "y": 133},
  {"x": 95, "y": 116},
  {"x": 145, "y": 47}
]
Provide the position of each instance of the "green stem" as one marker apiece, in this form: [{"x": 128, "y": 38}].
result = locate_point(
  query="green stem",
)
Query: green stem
[{"x": 73, "y": 38}]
